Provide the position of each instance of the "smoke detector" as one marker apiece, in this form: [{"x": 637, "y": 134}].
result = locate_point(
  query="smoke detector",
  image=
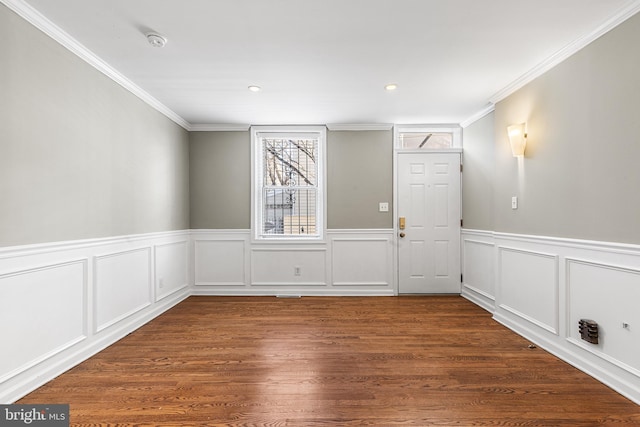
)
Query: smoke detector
[{"x": 156, "y": 40}]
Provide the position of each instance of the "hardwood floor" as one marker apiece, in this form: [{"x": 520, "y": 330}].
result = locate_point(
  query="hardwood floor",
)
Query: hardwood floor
[{"x": 320, "y": 361}]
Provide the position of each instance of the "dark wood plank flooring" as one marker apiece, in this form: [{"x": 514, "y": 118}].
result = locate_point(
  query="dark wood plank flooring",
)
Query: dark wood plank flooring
[{"x": 322, "y": 361}]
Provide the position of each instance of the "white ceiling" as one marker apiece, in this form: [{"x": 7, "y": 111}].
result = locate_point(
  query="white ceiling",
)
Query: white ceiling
[{"x": 328, "y": 61}]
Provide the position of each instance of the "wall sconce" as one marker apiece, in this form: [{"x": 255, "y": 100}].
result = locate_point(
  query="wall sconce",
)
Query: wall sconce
[{"x": 518, "y": 139}]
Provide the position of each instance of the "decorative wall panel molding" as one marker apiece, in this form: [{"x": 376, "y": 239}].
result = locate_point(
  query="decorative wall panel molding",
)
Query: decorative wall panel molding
[
  {"x": 478, "y": 272},
  {"x": 528, "y": 286},
  {"x": 81, "y": 296},
  {"x": 122, "y": 285},
  {"x": 593, "y": 289},
  {"x": 545, "y": 285},
  {"x": 27, "y": 336},
  {"x": 77, "y": 287},
  {"x": 221, "y": 262},
  {"x": 172, "y": 268},
  {"x": 349, "y": 262},
  {"x": 292, "y": 266}
]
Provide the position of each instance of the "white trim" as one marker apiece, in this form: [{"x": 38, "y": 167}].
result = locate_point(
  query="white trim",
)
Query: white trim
[
  {"x": 478, "y": 115},
  {"x": 618, "y": 18},
  {"x": 303, "y": 291},
  {"x": 219, "y": 232},
  {"x": 359, "y": 126},
  {"x": 480, "y": 292},
  {"x": 204, "y": 127},
  {"x": 480, "y": 242},
  {"x": 7, "y": 252},
  {"x": 485, "y": 233},
  {"x": 624, "y": 248},
  {"x": 41, "y": 22},
  {"x": 257, "y": 132},
  {"x": 432, "y": 151},
  {"x": 586, "y": 347},
  {"x": 366, "y": 231}
]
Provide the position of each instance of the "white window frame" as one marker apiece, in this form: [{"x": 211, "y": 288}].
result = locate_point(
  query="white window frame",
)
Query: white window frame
[{"x": 257, "y": 132}]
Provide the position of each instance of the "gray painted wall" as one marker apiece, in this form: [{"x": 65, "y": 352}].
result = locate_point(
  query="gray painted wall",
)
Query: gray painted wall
[
  {"x": 580, "y": 173},
  {"x": 359, "y": 168},
  {"x": 80, "y": 157},
  {"x": 220, "y": 180},
  {"x": 360, "y": 175},
  {"x": 478, "y": 175}
]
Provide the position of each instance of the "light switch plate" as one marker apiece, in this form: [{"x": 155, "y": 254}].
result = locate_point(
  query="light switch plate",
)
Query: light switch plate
[
  {"x": 383, "y": 207},
  {"x": 514, "y": 202}
]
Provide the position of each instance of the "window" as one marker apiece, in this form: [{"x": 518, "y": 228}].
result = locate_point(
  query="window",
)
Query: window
[
  {"x": 426, "y": 140},
  {"x": 434, "y": 137},
  {"x": 288, "y": 193}
]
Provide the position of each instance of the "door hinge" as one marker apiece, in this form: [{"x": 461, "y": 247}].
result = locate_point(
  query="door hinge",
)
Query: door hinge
[
  {"x": 461, "y": 279},
  {"x": 461, "y": 223},
  {"x": 460, "y": 167}
]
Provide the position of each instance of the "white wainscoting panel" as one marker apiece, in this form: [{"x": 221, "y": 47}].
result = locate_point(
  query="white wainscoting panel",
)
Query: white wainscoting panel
[
  {"x": 122, "y": 285},
  {"x": 529, "y": 286},
  {"x": 62, "y": 302},
  {"x": 172, "y": 266},
  {"x": 610, "y": 294},
  {"x": 348, "y": 262},
  {"x": 362, "y": 261},
  {"x": 478, "y": 272},
  {"x": 291, "y": 266},
  {"x": 221, "y": 261},
  {"x": 43, "y": 312},
  {"x": 545, "y": 285}
]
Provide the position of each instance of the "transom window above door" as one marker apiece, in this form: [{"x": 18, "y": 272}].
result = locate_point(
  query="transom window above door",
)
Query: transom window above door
[{"x": 418, "y": 137}]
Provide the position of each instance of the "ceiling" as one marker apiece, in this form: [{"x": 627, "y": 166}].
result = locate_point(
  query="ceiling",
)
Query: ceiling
[{"x": 328, "y": 61}]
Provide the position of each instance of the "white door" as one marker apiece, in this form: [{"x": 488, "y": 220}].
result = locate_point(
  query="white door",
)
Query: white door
[{"x": 429, "y": 205}]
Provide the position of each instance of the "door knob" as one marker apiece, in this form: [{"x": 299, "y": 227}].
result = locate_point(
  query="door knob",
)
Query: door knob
[{"x": 402, "y": 234}]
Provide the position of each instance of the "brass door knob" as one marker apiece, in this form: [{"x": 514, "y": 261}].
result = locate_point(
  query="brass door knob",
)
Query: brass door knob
[{"x": 402, "y": 234}]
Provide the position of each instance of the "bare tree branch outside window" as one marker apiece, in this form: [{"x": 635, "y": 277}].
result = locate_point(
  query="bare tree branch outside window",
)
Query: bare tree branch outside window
[{"x": 290, "y": 186}]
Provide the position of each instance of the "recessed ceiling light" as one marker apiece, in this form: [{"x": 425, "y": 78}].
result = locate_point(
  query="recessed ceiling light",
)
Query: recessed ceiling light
[
  {"x": 156, "y": 40},
  {"x": 254, "y": 88},
  {"x": 391, "y": 86}
]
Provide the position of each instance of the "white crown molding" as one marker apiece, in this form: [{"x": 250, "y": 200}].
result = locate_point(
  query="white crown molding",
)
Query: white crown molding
[
  {"x": 204, "y": 127},
  {"x": 477, "y": 116},
  {"x": 618, "y": 18},
  {"x": 39, "y": 21},
  {"x": 359, "y": 126}
]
